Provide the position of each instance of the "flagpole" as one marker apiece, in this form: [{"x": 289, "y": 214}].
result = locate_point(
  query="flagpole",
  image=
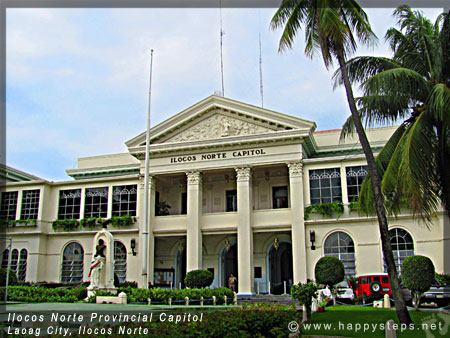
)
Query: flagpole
[{"x": 145, "y": 230}]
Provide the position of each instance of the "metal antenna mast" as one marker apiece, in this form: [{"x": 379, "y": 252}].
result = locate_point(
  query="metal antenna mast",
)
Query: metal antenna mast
[
  {"x": 221, "y": 53},
  {"x": 261, "y": 89}
]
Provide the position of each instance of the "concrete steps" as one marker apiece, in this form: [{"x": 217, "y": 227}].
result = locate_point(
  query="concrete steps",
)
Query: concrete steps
[{"x": 268, "y": 299}]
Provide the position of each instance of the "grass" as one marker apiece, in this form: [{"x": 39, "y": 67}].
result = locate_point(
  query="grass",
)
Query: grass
[{"x": 358, "y": 321}]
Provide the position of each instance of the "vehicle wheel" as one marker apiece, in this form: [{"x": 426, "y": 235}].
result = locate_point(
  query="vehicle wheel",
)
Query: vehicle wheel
[{"x": 375, "y": 287}]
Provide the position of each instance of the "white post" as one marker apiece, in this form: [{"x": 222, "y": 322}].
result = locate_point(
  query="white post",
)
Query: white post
[
  {"x": 214, "y": 300},
  {"x": 201, "y": 301},
  {"x": 257, "y": 287},
  {"x": 284, "y": 287},
  {"x": 269, "y": 288},
  {"x": 180, "y": 285},
  {"x": 170, "y": 285},
  {"x": 186, "y": 299},
  {"x": 225, "y": 300}
]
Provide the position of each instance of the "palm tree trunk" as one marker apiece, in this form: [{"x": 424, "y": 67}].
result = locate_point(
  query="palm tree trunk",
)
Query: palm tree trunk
[{"x": 400, "y": 306}]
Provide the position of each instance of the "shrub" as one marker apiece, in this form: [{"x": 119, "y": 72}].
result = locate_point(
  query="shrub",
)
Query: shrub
[
  {"x": 443, "y": 278},
  {"x": 417, "y": 276},
  {"x": 329, "y": 271},
  {"x": 304, "y": 294},
  {"x": 198, "y": 279},
  {"x": 12, "y": 280}
]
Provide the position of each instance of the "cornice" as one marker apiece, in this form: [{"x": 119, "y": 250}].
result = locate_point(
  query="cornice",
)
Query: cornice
[{"x": 222, "y": 143}]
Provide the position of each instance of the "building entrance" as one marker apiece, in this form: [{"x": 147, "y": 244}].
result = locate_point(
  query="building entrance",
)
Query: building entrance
[
  {"x": 280, "y": 268},
  {"x": 180, "y": 268},
  {"x": 230, "y": 265}
]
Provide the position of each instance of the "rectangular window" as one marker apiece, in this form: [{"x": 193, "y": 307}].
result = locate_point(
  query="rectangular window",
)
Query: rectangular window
[
  {"x": 30, "y": 204},
  {"x": 279, "y": 197},
  {"x": 384, "y": 280},
  {"x": 96, "y": 202},
  {"x": 8, "y": 205},
  {"x": 184, "y": 203},
  {"x": 364, "y": 280},
  {"x": 355, "y": 177},
  {"x": 124, "y": 200},
  {"x": 325, "y": 185},
  {"x": 258, "y": 272},
  {"x": 69, "y": 204},
  {"x": 231, "y": 197}
]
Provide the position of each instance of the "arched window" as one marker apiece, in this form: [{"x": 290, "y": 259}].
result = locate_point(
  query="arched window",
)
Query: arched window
[
  {"x": 72, "y": 264},
  {"x": 22, "y": 273},
  {"x": 14, "y": 260},
  {"x": 402, "y": 247},
  {"x": 340, "y": 245},
  {"x": 5, "y": 257},
  {"x": 120, "y": 261}
]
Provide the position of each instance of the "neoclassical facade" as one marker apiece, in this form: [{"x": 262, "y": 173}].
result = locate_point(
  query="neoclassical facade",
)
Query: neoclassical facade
[{"x": 229, "y": 187}]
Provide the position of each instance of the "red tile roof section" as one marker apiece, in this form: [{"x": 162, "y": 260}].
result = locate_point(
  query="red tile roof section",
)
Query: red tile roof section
[{"x": 327, "y": 131}]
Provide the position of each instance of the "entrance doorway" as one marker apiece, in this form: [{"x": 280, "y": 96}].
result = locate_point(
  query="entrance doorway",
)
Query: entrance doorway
[
  {"x": 229, "y": 265},
  {"x": 180, "y": 268},
  {"x": 280, "y": 268}
]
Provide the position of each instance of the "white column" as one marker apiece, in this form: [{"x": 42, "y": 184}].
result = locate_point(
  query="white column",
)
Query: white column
[
  {"x": 244, "y": 231},
  {"x": 298, "y": 223},
  {"x": 194, "y": 211}
]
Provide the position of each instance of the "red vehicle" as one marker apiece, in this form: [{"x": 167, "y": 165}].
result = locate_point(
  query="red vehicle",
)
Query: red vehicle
[{"x": 373, "y": 284}]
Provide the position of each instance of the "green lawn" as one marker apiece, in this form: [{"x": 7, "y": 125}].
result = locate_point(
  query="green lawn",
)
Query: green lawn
[{"x": 358, "y": 321}]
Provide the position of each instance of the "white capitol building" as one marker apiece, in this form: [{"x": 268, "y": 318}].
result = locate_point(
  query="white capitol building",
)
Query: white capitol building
[{"x": 229, "y": 186}]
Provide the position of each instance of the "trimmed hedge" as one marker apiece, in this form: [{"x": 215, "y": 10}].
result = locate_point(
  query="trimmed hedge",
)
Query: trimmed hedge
[
  {"x": 260, "y": 320},
  {"x": 31, "y": 294},
  {"x": 161, "y": 296}
]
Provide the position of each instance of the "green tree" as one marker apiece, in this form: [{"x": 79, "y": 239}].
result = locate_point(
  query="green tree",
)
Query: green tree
[
  {"x": 329, "y": 28},
  {"x": 412, "y": 86},
  {"x": 417, "y": 275},
  {"x": 329, "y": 271},
  {"x": 304, "y": 294},
  {"x": 198, "y": 279}
]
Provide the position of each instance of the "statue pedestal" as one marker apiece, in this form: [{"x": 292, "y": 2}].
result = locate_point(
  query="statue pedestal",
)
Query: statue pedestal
[{"x": 93, "y": 290}]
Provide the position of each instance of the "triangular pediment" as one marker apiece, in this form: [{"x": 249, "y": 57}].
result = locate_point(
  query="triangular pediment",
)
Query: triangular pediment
[{"x": 217, "y": 117}]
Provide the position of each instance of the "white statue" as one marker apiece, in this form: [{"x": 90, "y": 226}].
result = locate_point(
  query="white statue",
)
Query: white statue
[
  {"x": 102, "y": 263},
  {"x": 97, "y": 264}
]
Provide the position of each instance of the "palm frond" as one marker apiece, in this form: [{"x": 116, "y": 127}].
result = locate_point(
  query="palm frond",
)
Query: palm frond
[
  {"x": 398, "y": 81},
  {"x": 362, "y": 68},
  {"x": 366, "y": 197}
]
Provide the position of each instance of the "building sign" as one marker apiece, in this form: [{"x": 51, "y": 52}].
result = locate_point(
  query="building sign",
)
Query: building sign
[{"x": 217, "y": 156}]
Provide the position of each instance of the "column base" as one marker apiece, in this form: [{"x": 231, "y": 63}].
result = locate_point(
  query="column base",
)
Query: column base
[{"x": 241, "y": 295}]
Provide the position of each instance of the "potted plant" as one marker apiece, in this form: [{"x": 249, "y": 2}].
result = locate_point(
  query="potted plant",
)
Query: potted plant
[{"x": 322, "y": 305}]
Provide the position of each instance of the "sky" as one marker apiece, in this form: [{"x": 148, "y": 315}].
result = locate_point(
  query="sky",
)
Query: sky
[{"x": 78, "y": 79}]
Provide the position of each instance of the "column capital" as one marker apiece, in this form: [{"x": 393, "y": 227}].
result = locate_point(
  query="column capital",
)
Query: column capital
[
  {"x": 295, "y": 169},
  {"x": 194, "y": 177},
  {"x": 243, "y": 174},
  {"x": 151, "y": 181}
]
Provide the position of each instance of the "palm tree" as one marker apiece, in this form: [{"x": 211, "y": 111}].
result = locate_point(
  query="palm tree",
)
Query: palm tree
[
  {"x": 413, "y": 86},
  {"x": 329, "y": 27}
]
